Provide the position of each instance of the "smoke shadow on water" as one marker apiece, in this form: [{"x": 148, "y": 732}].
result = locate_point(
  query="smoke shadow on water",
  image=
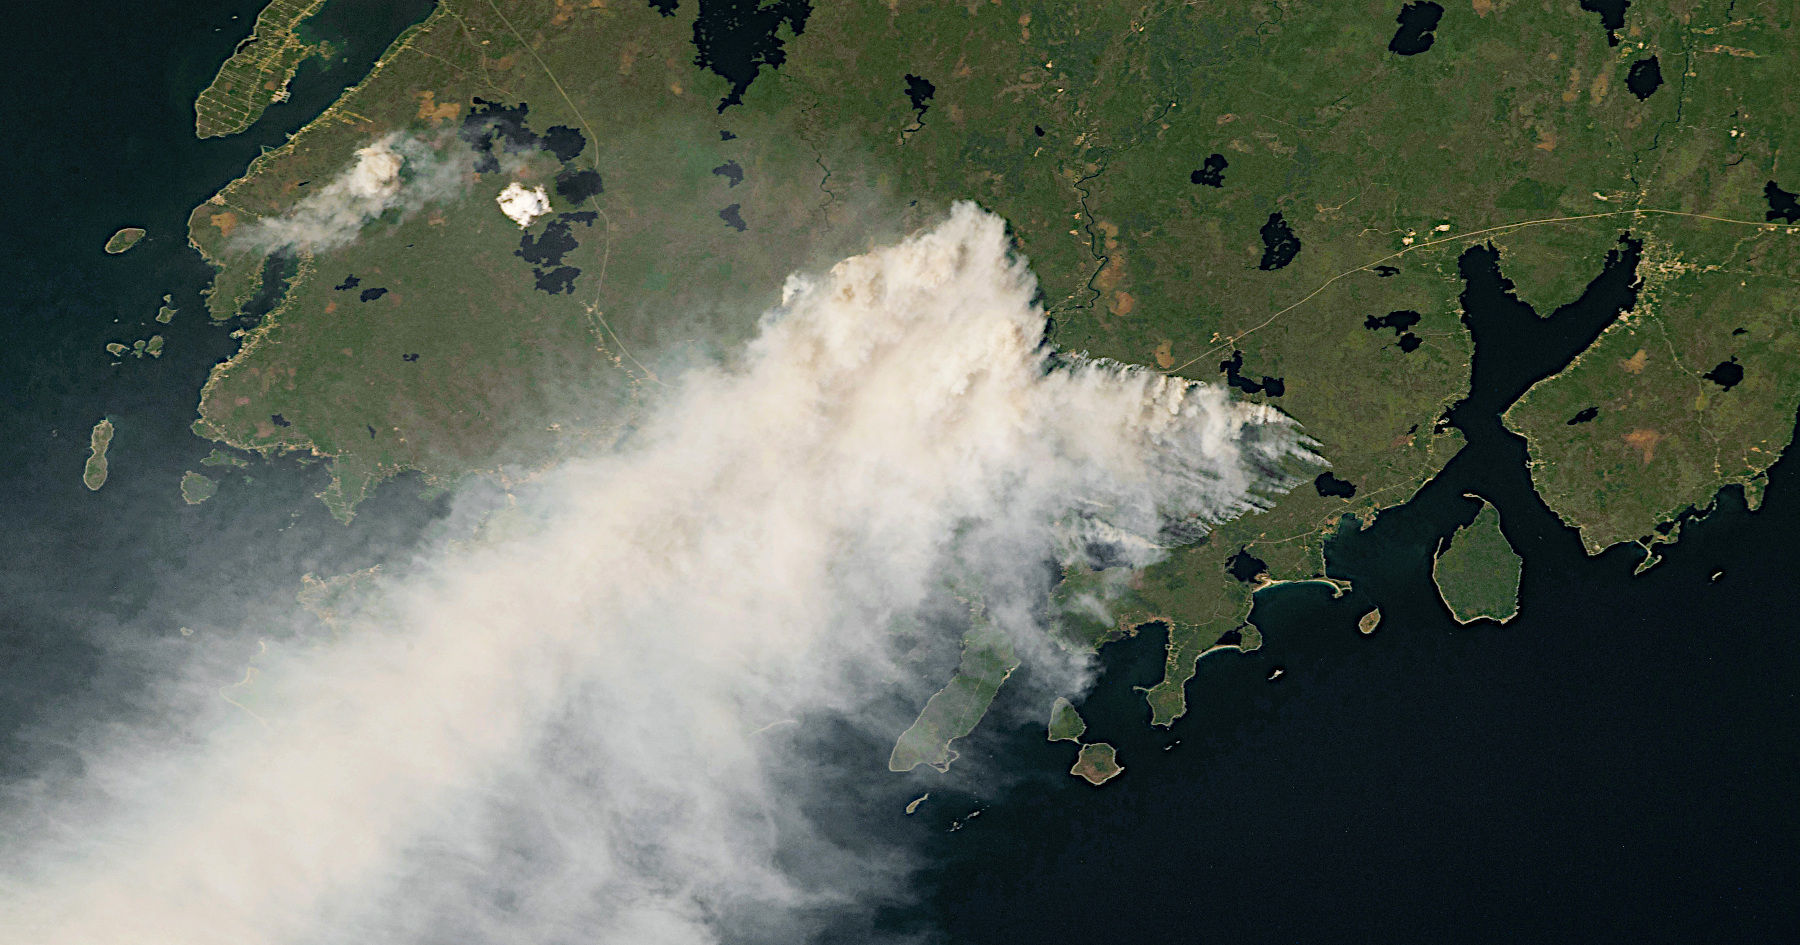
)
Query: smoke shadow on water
[{"x": 1617, "y": 763}]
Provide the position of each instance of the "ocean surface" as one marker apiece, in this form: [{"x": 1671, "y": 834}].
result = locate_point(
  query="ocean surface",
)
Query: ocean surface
[
  {"x": 1620, "y": 763},
  {"x": 102, "y": 97}
]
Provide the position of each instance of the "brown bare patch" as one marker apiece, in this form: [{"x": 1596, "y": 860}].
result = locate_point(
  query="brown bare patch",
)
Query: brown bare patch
[
  {"x": 226, "y": 222},
  {"x": 1483, "y": 7},
  {"x": 1597, "y": 91},
  {"x": 1546, "y": 140},
  {"x": 1644, "y": 440},
  {"x": 1400, "y": 442},
  {"x": 1635, "y": 363},
  {"x": 1165, "y": 355},
  {"x": 1097, "y": 764},
  {"x": 1122, "y": 303},
  {"x": 1574, "y": 90},
  {"x": 1114, "y": 270},
  {"x": 430, "y": 110},
  {"x": 330, "y": 307}
]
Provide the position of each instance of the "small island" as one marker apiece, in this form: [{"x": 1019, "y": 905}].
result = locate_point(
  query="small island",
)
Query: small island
[
  {"x": 94, "y": 476},
  {"x": 1478, "y": 573},
  {"x": 124, "y": 240},
  {"x": 1369, "y": 622},
  {"x": 1066, "y": 724},
  {"x": 987, "y": 659},
  {"x": 1098, "y": 764},
  {"x": 196, "y": 488}
]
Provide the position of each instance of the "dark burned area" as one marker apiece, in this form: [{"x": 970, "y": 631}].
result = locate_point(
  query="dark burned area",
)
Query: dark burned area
[
  {"x": 731, "y": 171},
  {"x": 558, "y": 240},
  {"x": 564, "y": 142},
  {"x": 557, "y": 281},
  {"x": 736, "y": 38},
  {"x": 579, "y": 186},
  {"x": 490, "y": 123},
  {"x": 545, "y": 253}
]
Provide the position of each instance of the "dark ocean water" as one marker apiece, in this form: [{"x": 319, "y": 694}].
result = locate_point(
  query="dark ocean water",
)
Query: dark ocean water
[
  {"x": 101, "y": 98},
  {"x": 1617, "y": 764},
  {"x": 1621, "y": 763}
]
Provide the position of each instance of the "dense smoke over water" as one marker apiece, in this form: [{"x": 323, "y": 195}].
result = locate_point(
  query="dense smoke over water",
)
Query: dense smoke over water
[
  {"x": 394, "y": 172},
  {"x": 565, "y": 735}
]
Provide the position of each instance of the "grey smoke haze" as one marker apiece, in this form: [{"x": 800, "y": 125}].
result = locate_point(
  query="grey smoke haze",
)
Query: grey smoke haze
[
  {"x": 396, "y": 171},
  {"x": 565, "y": 735}
]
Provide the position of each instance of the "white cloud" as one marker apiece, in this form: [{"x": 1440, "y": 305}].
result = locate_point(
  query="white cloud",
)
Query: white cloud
[
  {"x": 523, "y": 206},
  {"x": 564, "y": 735},
  {"x": 395, "y": 172}
]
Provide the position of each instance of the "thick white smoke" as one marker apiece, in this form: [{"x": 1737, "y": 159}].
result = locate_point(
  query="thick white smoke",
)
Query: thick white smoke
[
  {"x": 395, "y": 172},
  {"x": 565, "y": 736}
]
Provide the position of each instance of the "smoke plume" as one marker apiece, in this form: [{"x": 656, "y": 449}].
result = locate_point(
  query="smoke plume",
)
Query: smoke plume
[
  {"x": 569, "y": 733},
  {"x": 395, "y": 172}
]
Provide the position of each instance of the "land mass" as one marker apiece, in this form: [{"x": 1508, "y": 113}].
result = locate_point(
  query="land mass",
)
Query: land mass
[
  {"x": 94, "y": 475},
  {"x": 196, "y": 488},
  {"x": 1270, "y": 197},
  {"x": 1097, "y": 764},
  {"x": 954, "y": 711},
  {"x": 258, "y": 72},
  {"x": 1066, "y": 724},
  {"x": 124, "y": 240},
  {"x": 1478, "y": 573}
]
